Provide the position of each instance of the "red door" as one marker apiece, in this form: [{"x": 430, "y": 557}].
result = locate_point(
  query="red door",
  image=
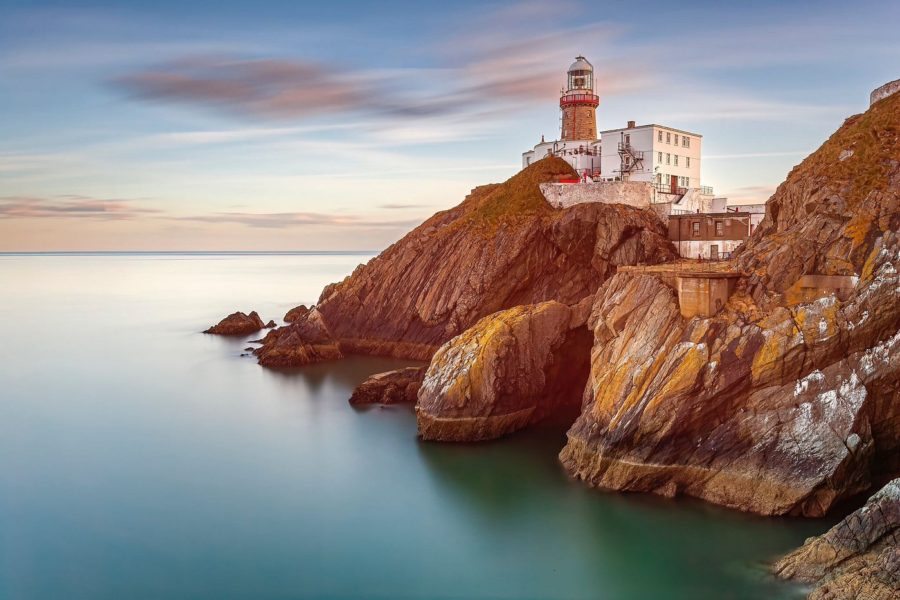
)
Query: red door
[{"x": 674, "y": 183}]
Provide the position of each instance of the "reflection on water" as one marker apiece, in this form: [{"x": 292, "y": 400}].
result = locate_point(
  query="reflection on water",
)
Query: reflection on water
[{"x": 142, "y": 459}]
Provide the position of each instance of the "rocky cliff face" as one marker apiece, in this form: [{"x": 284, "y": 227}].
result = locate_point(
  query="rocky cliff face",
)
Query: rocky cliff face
[
  {"x": 770, "y": 406},
  {"x": 504, "y": 246},
  {"x": 509, "y": 370},
  {"x": 857, "y": 558}
]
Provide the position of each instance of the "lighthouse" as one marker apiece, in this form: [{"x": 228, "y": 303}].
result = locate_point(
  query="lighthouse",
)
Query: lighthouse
[{"x": 578, "y": 103}]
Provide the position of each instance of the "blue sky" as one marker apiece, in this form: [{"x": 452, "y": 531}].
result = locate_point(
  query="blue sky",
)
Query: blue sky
[{"x": 295, "y": 125}]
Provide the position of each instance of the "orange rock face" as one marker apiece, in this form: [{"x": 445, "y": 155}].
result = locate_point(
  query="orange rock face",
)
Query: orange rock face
[
  {"x": 769, "y": 406},
  {"x": 504, "y": 246},
  {"x": 511, "y": 369}
]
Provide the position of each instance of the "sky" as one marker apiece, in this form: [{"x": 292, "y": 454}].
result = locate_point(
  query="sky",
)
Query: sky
[{"x": 294, "y": 125}]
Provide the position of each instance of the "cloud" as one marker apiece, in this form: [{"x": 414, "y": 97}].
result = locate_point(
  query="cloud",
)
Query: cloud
[
  {"x": 70, "y": 207},
  {"x": 299, "y": 219},
  {"x": 400, "y": 206},
  {"x": 511, "y": 59},
  {"x": 265, "y": 88},
  {"x": 755, "y": 155},
  {"x": 754, "y": 194}
]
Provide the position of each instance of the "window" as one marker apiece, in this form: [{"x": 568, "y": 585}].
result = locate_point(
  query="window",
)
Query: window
[
  {"x": 668, "y": 158},
  {"x": 527, "y": 161},
  {"x": 685, "y": 141},
  {"x": 676, "y": 160},
  {"x": 687, "y": 161},
  {"x": 659, "y": 157},
  {"x": 676, "y": 139},
  {"x": 627, "y": 139},
  {"x": 720, "y": 228},
  {"x": 695, "y": 228},
  {"x": 668, "y": 138},
  {"x": 659, "y": 135}
]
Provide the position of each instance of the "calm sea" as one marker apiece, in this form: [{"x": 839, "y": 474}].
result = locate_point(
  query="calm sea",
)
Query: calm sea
[{"x": 142, "y": 459}]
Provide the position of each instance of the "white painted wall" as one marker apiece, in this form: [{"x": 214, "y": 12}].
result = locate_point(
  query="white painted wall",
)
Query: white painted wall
[
  {"x": 703, "y": 249},
  {"x": 583, "y": 155},
  {"x": 659, "y": 156},
  {"x": 564, "y": 195}
]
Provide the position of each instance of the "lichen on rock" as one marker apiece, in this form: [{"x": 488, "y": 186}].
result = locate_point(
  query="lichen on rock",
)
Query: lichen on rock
[{"x": 510, "y": 370}]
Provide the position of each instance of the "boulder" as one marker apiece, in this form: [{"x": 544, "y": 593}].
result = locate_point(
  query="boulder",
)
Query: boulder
[
  {"x": 392, "y": 387},
  {"x": 509, "y": 370},
  {"x": 857, "y": 558},
  {"x": 238, "y": 324}
]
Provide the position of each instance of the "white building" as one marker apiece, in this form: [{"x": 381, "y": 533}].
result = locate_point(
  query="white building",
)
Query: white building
[
  {"x": 652, "y": 166},
  {"x": 664, "y": 156}
]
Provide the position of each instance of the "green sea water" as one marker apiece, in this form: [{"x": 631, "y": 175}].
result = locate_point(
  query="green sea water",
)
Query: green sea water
[{"x": 142, "y": 459}]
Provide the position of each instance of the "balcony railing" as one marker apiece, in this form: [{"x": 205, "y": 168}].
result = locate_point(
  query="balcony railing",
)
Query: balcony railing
[{"x": 579, "y": 99}]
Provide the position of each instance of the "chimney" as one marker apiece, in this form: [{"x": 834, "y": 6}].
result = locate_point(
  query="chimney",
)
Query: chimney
[{"x": 630, "y": 124}]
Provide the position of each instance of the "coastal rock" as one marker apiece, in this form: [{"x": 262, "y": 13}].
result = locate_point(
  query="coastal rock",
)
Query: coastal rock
[
  {"x": 503, "y": 246},
  {"x": 305, "y": 341},
  {"x": 509, "y": 370},
  {"x": 770, "y": 406},
  {"x": 238, "y": 324},
  {"x": 392, "y": 387},
  {"x": 857, "y": 558},
  {"x": 296, "y": 313}
]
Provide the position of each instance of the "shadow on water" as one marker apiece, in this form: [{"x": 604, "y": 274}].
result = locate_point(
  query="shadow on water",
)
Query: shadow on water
[
  {"x": 633, "y": 545},
  {"x": 346, "y": 373}
]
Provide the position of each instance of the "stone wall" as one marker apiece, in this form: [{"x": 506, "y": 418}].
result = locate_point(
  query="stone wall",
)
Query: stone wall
[
  {"x": 884, "y": 91},
  {"x": 632, "y": 193}
]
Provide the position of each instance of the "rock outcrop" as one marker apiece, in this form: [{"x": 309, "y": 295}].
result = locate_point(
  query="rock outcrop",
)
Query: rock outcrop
[
  {"x": 509, "y": 370},
  {"x": 769, "y": 406},
  {"x": 857, "y": 558},
  {"x": 239, "y": 324},
  {"x": 392, "y": 387},
  {"x": 305, "y": 341},
  {"x": 296, "y": 313},
  {"x": 504, "y": 246}
]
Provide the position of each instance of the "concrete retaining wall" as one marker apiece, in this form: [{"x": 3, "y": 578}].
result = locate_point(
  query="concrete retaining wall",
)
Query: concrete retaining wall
[{"x": 632, "y": 193}]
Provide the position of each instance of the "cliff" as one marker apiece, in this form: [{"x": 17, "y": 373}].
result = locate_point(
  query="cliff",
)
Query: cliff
[
  {"x": 857, "y": 558},
  {"x": 779, "y": 404},
  {"x": 502, "y": 247}
]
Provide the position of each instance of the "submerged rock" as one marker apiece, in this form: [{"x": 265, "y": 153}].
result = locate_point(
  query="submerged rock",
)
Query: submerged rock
[
  {"x": 511, "y": 369},
  {"x": 392, "y": 387},
  {"x": 857, "y": 558},
  {"x": 238, "y": 324}
]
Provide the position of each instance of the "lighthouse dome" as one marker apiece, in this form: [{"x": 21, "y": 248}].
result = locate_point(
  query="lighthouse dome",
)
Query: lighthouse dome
[{"x": 581, "y": 64}]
